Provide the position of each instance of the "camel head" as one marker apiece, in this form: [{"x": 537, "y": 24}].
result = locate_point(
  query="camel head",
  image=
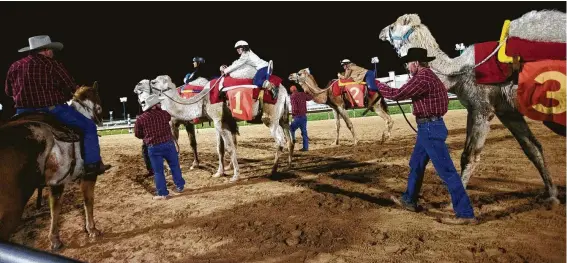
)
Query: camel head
[
  {"x": 162, "y": 84},
  {"x": 146, "y": 97},
  {"x": 401, "y": 33},
  {"x": 300, "y": 76}
]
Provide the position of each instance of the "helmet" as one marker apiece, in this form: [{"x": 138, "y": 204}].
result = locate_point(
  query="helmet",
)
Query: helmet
[
  {"x": 199, "y": 60},
  {"x": 240, "y": 43},
  {"x": 345, "y": 61}
]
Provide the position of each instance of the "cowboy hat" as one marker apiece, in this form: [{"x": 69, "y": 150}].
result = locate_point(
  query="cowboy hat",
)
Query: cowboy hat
[
  {"x": 416, "y": 54},
  {"x": 41, "y": 42}
]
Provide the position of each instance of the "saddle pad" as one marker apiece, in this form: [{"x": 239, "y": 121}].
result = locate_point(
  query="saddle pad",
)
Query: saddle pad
[
  {"x": 532, "y": 50},
  {"x": 541, "y": 91},
  {"x": 60, "y": 131},
  {"x": 492, "y": 71},
  {"x": 240, "y": 103}
]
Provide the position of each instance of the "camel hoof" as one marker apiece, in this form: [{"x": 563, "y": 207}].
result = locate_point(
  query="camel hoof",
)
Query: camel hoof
[
  {"x": 335, "y": 143},
  {"x": 56, "y": 245},
  {"x": 233, "y": 179},
  {"x": 194, "y": 166},
  {"x": 355, "y": 142},
  {"x": 552, "y": 201},
  {"x": 94, "y": 232},
  {"x": 217, "y": 175}
]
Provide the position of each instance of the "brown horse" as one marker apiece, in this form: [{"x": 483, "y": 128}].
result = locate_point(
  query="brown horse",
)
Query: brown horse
[
  {"x": 37, "y": 150},
  {"x": 337, "y": 103}
]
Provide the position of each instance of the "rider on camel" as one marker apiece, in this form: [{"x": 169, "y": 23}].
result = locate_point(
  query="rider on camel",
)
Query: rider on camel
[
  {"x": 249, "y": 66},
  {"x": 198, "y": 73},
  {"x": 358, "y": 74}
]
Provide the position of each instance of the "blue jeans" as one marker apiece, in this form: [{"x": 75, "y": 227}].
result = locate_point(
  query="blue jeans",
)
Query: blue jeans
[
  {"x": 147, "y": 159},
  {"x": 370, "y": 80},
  {"x": 71, "y": 117},
  {"x": 165, "y": 151},
  {"x": 430, "y": 145},
  {"x": 261, "y": 76},
  {"x": 301, "y": 123}
]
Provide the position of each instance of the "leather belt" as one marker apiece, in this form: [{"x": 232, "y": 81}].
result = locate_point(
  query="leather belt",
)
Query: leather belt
[{"x": 428, "y": 119}]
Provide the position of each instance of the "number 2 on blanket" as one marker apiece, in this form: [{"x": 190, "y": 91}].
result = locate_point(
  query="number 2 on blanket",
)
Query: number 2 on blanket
[
  {"x": 237, "y": 109},
  {"x": 355, "y": 91}
]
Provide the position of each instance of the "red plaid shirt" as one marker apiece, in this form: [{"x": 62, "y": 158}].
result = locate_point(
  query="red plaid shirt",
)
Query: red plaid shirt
[
  {"x": 428, "y": 94},
  {"x": 153, "y": 126},
  {"x": 299, "y": 103},
  {"x": 39, "y": 81}
]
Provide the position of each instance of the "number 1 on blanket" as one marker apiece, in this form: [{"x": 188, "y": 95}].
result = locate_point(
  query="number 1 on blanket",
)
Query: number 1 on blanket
[{"x": 237, "y": 109}]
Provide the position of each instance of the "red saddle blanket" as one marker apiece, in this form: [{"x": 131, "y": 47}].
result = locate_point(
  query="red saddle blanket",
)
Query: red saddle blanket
[
  {"x": 492, "y": 71},
  {"x": 532, "y": 50},
  {"x": 214, "y": 94},
  {"x": 188, "y": 91},
  {"x": 356, "y": 91},
  {"x": 542, "y": 91}
]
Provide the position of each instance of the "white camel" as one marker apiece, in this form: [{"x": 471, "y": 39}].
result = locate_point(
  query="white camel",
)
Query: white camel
[
  {"x": 275, "y": 117},
  {"x": 483, "y": 102}
]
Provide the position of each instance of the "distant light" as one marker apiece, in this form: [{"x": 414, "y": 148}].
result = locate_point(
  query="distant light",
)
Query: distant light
[{"x": 123, "y": 99}]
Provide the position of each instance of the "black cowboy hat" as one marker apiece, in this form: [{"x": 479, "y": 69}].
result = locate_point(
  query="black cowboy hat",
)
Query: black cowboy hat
[{"x": 416, "y": 54}]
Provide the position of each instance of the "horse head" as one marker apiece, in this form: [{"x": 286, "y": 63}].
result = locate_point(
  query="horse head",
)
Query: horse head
[{"x": 87, "y": 101}]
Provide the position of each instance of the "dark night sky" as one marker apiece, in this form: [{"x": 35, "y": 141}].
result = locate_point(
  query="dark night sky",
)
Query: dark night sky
[{"x": 120, "y": 43}]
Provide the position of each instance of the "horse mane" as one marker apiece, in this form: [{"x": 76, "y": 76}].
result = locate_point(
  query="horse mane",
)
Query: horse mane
[{"x": 87, "y": 93}]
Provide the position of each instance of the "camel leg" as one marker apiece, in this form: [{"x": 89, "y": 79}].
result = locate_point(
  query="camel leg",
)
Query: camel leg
[
  {"x": 190, "y": 128},
  {"x": 229, "y": 145},
  {"x": 290, "y": 144},
  {"x": 478, "y": 127},
  {"x": 55, "y": 206},
  {"x": 87, "y": 187},
  {"x": 220, "y": 151},
  {"x": 387, "y": 118},
  {"x": 337, "y": 125},
  {"x": 279, "y": 136},
  {"x": 346, "y": 118},
  {"x": 532, "y": 148}
]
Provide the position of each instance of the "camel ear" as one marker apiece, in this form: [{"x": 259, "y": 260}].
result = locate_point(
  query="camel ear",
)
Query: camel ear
[
  {"x": 411, "y": 19},
  {"x": 95, "y": 85},
  {"x": 308, "y": 71}
]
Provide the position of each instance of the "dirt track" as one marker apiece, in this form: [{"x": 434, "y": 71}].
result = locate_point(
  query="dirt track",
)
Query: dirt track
[{"x": 332, "y": 206}]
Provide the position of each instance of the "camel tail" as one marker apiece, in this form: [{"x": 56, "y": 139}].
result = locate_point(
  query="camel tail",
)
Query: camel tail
[{"x": 383, "y": 104}]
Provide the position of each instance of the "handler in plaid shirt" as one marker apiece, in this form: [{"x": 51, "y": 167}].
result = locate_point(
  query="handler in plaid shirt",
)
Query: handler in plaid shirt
[
  {"x": 153, "y": 127},
  {"x": 39, "y": 83},
  {"x": 430, "y": 103}
]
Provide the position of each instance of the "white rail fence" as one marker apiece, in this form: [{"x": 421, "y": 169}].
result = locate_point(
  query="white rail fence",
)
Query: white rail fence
[{"x": 312, "y": 107}]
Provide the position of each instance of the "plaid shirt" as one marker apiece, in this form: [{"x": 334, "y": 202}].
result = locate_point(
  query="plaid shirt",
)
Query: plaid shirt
[
  {"x": 299, "y": 103},
  {"x": 39, "y": 81},
  {"x": 153, "y": 126},
  {"x": 428, "y": 94}
]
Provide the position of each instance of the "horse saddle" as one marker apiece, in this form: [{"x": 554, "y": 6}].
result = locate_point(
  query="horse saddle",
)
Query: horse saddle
[{"x": 61, "y": 131}]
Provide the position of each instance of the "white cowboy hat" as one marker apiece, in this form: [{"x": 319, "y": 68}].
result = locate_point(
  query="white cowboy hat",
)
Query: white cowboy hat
[
  {"x": 240, "y": 43},
  {"x": 40, "y": 42}
]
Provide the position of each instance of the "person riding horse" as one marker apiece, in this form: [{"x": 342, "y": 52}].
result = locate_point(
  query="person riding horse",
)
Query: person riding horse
[{"x": 39, "y": 83}]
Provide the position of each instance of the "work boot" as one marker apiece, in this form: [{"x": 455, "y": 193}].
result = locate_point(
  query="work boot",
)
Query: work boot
[
  {"x": 98, "y": 168},
  {"x": 404, "y": 204},
  {"x": 459, "y": 221}
]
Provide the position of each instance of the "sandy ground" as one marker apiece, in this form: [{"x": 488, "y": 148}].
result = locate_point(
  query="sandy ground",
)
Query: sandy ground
[{"x": 332, "y": 206}]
